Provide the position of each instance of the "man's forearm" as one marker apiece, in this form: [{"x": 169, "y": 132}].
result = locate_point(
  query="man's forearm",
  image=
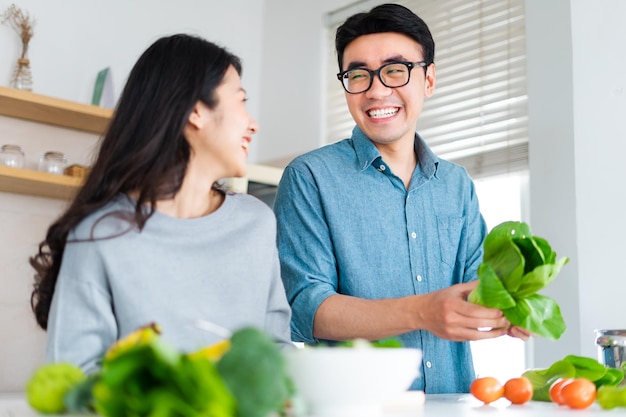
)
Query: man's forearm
[{"x": 342, "y": 317}]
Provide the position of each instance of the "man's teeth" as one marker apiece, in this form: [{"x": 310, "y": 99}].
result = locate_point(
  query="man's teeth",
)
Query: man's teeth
[
  {"x": 244, "y": 145},
  {"x": 382, "y": 113}
]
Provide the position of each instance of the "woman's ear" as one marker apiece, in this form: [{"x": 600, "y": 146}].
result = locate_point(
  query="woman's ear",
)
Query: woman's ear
[{"x": 197, "y": 117}]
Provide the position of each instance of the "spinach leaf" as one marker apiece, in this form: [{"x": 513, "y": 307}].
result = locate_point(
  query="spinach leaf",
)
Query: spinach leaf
[
  {"x": 155, "y": 380},
  {"x": 542, "y": 379},
  {"x": 571, "y": 366},
  {"x": 516, "y": 265}
]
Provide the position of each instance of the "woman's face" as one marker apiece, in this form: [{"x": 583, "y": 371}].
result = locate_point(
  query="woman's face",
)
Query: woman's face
[{"x": 220, "y": 142}]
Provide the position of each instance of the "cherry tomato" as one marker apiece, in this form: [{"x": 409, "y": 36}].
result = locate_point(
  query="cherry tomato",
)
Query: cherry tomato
[
  {"x": 579, "y": 394},
  {"x": 487, "y": 389},
  {"x": 555, "y": 390},
  {"x": 518, "y": 390}
]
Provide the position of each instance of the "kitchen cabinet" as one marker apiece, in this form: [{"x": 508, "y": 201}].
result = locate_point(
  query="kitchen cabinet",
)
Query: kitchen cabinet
[{"x": 63, "y": 113}]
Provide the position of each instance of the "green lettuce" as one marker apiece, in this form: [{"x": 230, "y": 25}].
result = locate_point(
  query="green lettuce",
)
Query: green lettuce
[
  {"x": 572, "y": 366},
  {"x": 516, "y": 265},
  {"x": 155, "y": 380}
]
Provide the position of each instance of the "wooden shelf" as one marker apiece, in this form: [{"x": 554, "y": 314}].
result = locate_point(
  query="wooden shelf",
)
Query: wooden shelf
[
  {"x": 42, "y": 184},
  {"x": 54, "y": 111}
]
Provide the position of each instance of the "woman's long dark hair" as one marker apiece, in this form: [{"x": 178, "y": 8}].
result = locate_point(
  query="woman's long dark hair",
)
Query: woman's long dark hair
[{"x": 144, "y": 150}]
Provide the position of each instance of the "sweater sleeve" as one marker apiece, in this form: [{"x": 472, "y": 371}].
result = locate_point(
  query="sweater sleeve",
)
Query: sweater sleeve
[
  {"x": 278, "y": 315},
  {"x": 81, "y": 324}
]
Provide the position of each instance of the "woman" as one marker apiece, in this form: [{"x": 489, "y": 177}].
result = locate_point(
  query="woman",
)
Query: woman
[{"x": 151, "y": 236}]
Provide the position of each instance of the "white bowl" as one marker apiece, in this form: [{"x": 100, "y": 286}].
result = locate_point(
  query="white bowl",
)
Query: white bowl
[{"x": 346, "y": 382}]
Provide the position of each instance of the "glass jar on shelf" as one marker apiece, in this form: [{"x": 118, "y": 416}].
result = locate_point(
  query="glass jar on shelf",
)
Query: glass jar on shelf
[
  {"x": 12, "y": 156},
  {"x": 53, "y": 162}
]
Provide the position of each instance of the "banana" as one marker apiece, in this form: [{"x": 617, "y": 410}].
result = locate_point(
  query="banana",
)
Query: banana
[
  {"x": 143, "y": 335},
  {"x": 212, "y": 352}
]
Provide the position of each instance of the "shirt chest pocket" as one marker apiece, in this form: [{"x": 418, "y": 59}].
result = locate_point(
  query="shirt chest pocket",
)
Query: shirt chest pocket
[{"x": 449, "y": 232}]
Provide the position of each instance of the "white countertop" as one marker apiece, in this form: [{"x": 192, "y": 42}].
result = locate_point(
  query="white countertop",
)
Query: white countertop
[{"x": 444, "y": 405}]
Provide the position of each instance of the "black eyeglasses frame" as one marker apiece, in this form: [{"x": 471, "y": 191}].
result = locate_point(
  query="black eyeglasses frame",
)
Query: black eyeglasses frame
[{"x": 341, "y": 76}]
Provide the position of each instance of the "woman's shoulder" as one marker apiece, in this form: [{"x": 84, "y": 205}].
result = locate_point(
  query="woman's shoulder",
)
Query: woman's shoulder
[
  {"x": 249, "y": 203},
  {"x": 110, "y": 219},
  {"x": 249, "y": 208}
]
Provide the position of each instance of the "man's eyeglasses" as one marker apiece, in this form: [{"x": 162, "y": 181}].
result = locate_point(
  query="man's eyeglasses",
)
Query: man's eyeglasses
[{"x": 392, "y": 75}]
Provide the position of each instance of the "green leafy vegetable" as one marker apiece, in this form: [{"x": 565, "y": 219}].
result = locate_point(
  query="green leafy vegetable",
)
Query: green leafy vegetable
[
  {"x": 79, "y": 399},
  {"x": 542, "y": 379},
  {"x": 611, "y": 396},
  {"x": 571, "y": 366},
  {"x": 516, "y": 265},
  {"x": 388, "y": 342},
  {"x": 611, "y": 378},
  {"x": 255, "y": 372},
  {"x": 154, "y": 380}
]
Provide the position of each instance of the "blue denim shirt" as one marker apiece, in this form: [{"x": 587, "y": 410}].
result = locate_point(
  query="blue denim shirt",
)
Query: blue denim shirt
[{"x": 348, "y": 225}]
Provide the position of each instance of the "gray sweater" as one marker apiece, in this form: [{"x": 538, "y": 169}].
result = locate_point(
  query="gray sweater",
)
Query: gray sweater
[{"x": 222, "y": 268}]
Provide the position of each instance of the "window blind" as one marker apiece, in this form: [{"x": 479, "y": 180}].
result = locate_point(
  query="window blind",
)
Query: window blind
[{"x": 477, "y": 116}]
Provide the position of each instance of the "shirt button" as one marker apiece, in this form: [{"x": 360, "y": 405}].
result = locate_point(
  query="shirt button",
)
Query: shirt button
[
  {"x": 413, "y": 235},
  {"x": 382, "y": 168},
  {"x": 419, "y": 278},
  {"x": 429, "y": 365}
]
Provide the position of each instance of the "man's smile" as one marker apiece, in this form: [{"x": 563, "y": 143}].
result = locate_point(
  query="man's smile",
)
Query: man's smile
[{"x": 383, "y": 113}]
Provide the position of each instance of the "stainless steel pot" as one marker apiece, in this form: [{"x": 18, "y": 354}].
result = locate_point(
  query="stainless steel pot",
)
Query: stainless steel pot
[{"x": 611, "y": 347}]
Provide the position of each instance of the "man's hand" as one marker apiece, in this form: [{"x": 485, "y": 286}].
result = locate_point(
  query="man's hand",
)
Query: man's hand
[
  {"x": 447, "y": 314},
  {"x": 519, "y": 333}
]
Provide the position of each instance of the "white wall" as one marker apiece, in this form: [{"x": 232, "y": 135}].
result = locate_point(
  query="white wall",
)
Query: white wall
[
  {"x": 293, "y": 84},
  {"x": 577, "y": 106}
]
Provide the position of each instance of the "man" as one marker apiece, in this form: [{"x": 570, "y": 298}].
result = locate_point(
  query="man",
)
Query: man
[{"x": 377, "y": 236}]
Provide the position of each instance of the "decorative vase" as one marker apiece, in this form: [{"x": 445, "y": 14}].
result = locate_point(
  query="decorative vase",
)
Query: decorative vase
[{"x": 22, "y": 78}]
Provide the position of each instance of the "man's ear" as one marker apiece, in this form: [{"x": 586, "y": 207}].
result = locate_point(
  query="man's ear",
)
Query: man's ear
[{"x": 429, "y": 87}]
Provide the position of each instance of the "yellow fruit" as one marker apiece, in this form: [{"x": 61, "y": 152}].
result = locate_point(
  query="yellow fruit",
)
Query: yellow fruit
[
  {"x": 143, "y": 335},
  {"x": 46, "y": 389},
  {"x": 213, "y": 352}
]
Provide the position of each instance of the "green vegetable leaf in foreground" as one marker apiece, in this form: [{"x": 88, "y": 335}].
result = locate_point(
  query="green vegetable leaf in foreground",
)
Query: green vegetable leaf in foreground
[
  {"x": 155, "y": 380},
  {"x": 571, "y": 366},
  {"x": 516, "y": 265},
  {"x": 254, "y": 370}
]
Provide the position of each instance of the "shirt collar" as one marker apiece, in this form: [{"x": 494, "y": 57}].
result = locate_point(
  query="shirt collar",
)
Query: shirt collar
[
  {"x": 426, "y": 159},
  {"x": 367, "y": 153}
]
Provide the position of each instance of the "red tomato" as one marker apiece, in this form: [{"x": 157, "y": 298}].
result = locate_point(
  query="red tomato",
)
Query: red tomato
[
  {"x": 579, "y": 394},
  {"x": 518, "y": 390},
  {"x": 555, "y": 390},
  {"x": 487, "y": 389}
]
